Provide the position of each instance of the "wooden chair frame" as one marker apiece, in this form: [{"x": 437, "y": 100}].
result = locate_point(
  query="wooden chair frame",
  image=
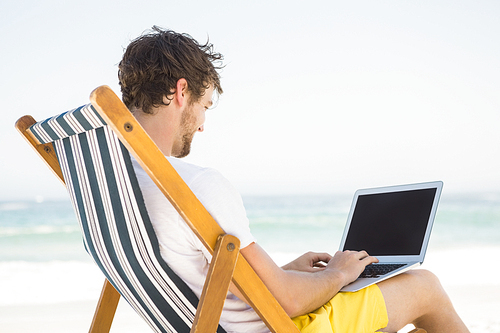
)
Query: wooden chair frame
[{"x": 226, "y": 266}]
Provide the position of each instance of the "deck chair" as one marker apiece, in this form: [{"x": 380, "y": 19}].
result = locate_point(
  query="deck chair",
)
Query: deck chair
[{"x": 89, "y": 150}]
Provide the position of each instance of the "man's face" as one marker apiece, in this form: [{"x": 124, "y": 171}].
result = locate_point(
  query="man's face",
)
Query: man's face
[{"x": 192, "y": 121}]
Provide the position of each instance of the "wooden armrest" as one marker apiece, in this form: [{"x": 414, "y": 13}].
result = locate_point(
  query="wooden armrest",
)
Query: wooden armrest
[{"x": 216, "y": 285}]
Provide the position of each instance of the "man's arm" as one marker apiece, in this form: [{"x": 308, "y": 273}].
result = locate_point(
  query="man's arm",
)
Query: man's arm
[{"x": 298, "y": 289}]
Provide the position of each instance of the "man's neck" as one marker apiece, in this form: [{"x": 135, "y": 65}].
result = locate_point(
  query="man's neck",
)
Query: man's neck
[{"x": 161, "y": 126}]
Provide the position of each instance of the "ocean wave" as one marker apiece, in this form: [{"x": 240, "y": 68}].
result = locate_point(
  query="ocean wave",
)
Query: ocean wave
[
  {"x": 12, "y": 206},
  {"x": 38, "y": 230}
]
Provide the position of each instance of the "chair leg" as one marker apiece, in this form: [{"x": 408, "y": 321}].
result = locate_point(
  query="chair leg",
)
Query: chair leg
[
  {"x": 105, "y": 310},
  {"x": 216, "y": 285}
]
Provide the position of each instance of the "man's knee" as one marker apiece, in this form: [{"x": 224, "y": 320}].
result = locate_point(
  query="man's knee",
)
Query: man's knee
[
  {"x": 425, "y": 277},
  {"x": 428, "y": 283}
]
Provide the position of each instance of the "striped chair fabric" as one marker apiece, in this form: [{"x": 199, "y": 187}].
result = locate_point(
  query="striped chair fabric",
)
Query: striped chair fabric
[{"x": 116, "y": 228}]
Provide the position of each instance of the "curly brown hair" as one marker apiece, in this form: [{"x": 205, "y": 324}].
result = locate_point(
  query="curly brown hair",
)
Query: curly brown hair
[{"x": 154, "y": 62}]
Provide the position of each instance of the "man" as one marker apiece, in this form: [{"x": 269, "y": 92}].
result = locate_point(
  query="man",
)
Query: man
[{"x": 168, "y": 81}]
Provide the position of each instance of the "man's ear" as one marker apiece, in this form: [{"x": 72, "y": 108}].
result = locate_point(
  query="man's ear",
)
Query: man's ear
[{"x": 181, "y": 91}]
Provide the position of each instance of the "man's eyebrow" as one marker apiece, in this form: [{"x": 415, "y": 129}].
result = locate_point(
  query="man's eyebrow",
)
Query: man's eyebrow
[{"x": 210, "y": 103}]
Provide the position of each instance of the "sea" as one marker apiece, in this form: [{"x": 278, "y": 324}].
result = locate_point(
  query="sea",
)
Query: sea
[{"x": 41, "y": 240}]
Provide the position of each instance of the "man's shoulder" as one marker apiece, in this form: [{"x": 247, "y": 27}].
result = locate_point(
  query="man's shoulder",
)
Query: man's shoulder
[
  {"x": 198, "y": 178},
  {"x": 191, "y": 172}
]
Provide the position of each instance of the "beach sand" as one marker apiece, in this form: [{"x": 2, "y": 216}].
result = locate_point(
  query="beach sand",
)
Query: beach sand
[
  {"x": 479, "y": 308},
  {"x": 67, "y": 317},
  {"x": 476, "y": 296}
]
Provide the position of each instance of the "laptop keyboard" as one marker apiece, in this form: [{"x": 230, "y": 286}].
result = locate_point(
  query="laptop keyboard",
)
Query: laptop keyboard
[{"x": 375, "y": 270}]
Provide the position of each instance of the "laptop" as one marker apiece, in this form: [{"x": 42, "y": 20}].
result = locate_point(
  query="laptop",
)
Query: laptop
[{"x": 393, "y": 224}]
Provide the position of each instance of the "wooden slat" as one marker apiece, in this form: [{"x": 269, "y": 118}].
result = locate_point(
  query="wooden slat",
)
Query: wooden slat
[
  {"x": 216, "y": 285},
  {"x": 105, "y": 310},
  {"x": 45, "y": 151},
  {"x": 140, "y": 145}
]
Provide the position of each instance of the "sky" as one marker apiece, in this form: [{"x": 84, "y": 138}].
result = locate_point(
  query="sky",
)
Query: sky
[{"x": 319, "y": 97}]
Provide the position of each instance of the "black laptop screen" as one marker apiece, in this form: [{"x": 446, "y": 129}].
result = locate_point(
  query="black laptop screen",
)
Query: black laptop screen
[{"x": 390, "y": 224}]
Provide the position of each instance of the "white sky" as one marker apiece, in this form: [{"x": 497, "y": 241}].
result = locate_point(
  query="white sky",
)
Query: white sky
[{"x": 324, "y": 96}]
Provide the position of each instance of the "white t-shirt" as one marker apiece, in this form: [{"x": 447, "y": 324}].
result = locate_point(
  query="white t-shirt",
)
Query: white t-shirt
[{"x": 183, "y": 251}]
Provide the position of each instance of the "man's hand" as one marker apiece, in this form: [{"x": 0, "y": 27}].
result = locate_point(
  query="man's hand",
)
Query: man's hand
[
  {"x": 309, "y": 262},
  {"x": 350, "y": 264}
]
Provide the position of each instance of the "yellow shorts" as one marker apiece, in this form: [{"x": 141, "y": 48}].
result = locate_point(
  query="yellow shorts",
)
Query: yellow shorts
[{"x": 358, "y": 312}]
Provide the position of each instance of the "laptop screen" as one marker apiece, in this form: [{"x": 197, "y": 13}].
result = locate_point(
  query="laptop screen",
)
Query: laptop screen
[{"x": 390, "y": 224}]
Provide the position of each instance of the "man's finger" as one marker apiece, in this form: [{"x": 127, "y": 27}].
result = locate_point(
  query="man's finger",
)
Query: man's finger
[{"x": 362, "y": 254}]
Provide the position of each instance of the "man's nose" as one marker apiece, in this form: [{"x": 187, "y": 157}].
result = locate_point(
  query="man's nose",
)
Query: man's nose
[{"x": 201, "y": 128}]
